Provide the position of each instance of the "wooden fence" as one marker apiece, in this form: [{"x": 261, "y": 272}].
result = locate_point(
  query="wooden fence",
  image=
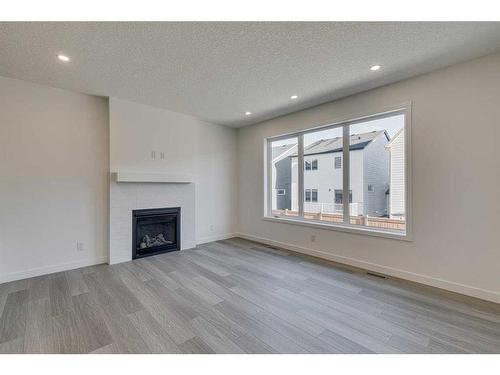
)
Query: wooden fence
[{"x": 369, "y": 221}]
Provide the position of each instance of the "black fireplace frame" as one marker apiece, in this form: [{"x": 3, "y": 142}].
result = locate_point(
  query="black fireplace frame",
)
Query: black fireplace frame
[{"x": 151, "y": 212}]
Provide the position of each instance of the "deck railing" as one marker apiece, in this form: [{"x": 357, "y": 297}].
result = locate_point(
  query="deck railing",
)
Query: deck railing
[
  {"x": 370, "y": 221},
  {"x": 332, "y": 208}
]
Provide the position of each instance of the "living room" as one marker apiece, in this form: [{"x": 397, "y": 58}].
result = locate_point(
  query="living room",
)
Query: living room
[{"x": 249, "y": 187}]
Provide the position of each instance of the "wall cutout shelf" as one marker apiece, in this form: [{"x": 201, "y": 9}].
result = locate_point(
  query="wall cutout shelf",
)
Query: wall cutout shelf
[{"x": 164, "y": 178}]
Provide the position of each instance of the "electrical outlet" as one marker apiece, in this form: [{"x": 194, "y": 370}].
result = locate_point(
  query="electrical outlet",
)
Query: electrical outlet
[
  {"x": 162, "y": 155},
  {"x": 153, "y": 154},
  {"x": 80, "y": 246},
  {"x": 313, "y": 238}
]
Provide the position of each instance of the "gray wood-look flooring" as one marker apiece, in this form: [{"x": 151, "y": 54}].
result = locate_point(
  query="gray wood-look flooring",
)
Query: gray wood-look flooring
[{"x": 237, "y": 296}]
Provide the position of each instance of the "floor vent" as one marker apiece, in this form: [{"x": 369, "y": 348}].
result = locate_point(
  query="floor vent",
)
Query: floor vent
[{"x": 376, "y": 275}]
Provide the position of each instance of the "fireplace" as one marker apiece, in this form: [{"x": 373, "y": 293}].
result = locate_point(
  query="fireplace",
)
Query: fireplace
[{"x": 155, "y": 231}]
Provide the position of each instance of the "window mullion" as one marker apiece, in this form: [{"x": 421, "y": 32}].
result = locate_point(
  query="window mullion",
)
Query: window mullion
[
  {"x": 345, "y": 173},
  {"x": 268, "y": 188},
  {"x": 300, "y": 187}
]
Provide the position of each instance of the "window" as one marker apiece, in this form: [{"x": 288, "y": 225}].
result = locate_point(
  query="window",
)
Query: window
[
  {"x": 311, "y": 165},
  {"x": 377, "y": 161},
  {"x": 311, "y": 195},
  {"x": 339, "y": 196},
  {"x": 370, "y": 159},
  {"x": 338, "y": 162},
  {"x": 314, "y": 195},
  {"x": 321, "y": 206}
]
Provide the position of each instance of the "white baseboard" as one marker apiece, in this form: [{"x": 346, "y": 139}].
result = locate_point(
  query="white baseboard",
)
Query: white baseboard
[
  {"x": 219, "y": 237},
  {"x": 85, "y": 263},
  {"x": 51, "y": 269},
  {"x": 468, "y": 290}
]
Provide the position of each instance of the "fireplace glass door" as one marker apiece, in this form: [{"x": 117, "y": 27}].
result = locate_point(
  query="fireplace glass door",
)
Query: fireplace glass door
[{"x": 155, "y": 231}]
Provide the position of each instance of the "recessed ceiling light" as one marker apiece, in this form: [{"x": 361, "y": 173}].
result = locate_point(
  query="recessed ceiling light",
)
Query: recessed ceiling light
[
  {"x": 248, "y": 113},
  {"x": 293, "y": 97},
  {"x": 375, "y": 67},
  {"x": 63, "y": 58}
]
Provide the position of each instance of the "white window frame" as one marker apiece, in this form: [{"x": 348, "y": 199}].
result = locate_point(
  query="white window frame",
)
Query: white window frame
[{"x": 404, "y": 109}]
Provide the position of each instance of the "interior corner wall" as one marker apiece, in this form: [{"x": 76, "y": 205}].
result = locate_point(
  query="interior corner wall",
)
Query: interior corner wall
[
  {"x": 456, "y": 179},
  {"x": 206, "y": 151},
  {"x": 53, "y": 179}
]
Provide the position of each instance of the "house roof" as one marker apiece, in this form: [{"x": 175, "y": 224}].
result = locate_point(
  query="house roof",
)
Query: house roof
[
  {"x": 357, "y": 142},
  {"x": 279, "y": 150},
  {"x": 398, "y": 134}
]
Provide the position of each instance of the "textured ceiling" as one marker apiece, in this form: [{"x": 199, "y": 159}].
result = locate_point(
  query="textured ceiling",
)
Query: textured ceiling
[{"x": 217, "y": 71}]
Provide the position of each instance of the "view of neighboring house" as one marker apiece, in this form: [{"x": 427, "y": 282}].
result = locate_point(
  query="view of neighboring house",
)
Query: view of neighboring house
[
  {"x": 282, "y": 179},
  {"x": 323, "y": 163},
  {"x": 396, "y": 148}
]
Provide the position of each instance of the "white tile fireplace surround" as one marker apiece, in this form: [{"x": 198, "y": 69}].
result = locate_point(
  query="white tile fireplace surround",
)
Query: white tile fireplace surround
[{"x": 134, "y": 194}]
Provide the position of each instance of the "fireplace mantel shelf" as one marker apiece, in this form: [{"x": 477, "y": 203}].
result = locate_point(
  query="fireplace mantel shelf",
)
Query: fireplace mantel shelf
[{"x": 164, "y": 178}]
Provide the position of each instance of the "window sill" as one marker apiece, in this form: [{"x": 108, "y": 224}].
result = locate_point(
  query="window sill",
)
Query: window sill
[{"x": 341, "y": 228}]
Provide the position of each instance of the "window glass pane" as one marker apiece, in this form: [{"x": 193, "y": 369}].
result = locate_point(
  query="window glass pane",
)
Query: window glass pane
[
  {"x": 339, "y": 195},
  {"x": 377, "y": 173},
  {"x": 320, "y": 149},
  {"x": 284, "y": 177},
  {"x": 338, "y": 162},
  {"x": 314, "y": 195}
]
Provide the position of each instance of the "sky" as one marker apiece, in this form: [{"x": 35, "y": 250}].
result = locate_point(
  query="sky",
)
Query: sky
[{"x": 391, "y": 124}]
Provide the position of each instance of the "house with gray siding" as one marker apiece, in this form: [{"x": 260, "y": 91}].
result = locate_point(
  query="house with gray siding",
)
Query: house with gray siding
[{"x": 323, "y": 165}]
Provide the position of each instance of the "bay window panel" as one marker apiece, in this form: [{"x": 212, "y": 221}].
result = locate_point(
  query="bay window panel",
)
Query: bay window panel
[
  {"x": 374, "y": 167},
  {"x": 284, "y": 177},
  {"x": 320, "y": 149}
]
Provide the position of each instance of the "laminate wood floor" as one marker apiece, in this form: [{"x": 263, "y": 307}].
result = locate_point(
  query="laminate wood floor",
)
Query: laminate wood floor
[{"x": 237, "y": 296}]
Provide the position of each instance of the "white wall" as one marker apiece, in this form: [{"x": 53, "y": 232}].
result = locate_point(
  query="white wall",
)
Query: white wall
[
  {"x": 455, "y": 112},
  {"x": 190, "y": 146},
  {"x": 53, "y": 179}
]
